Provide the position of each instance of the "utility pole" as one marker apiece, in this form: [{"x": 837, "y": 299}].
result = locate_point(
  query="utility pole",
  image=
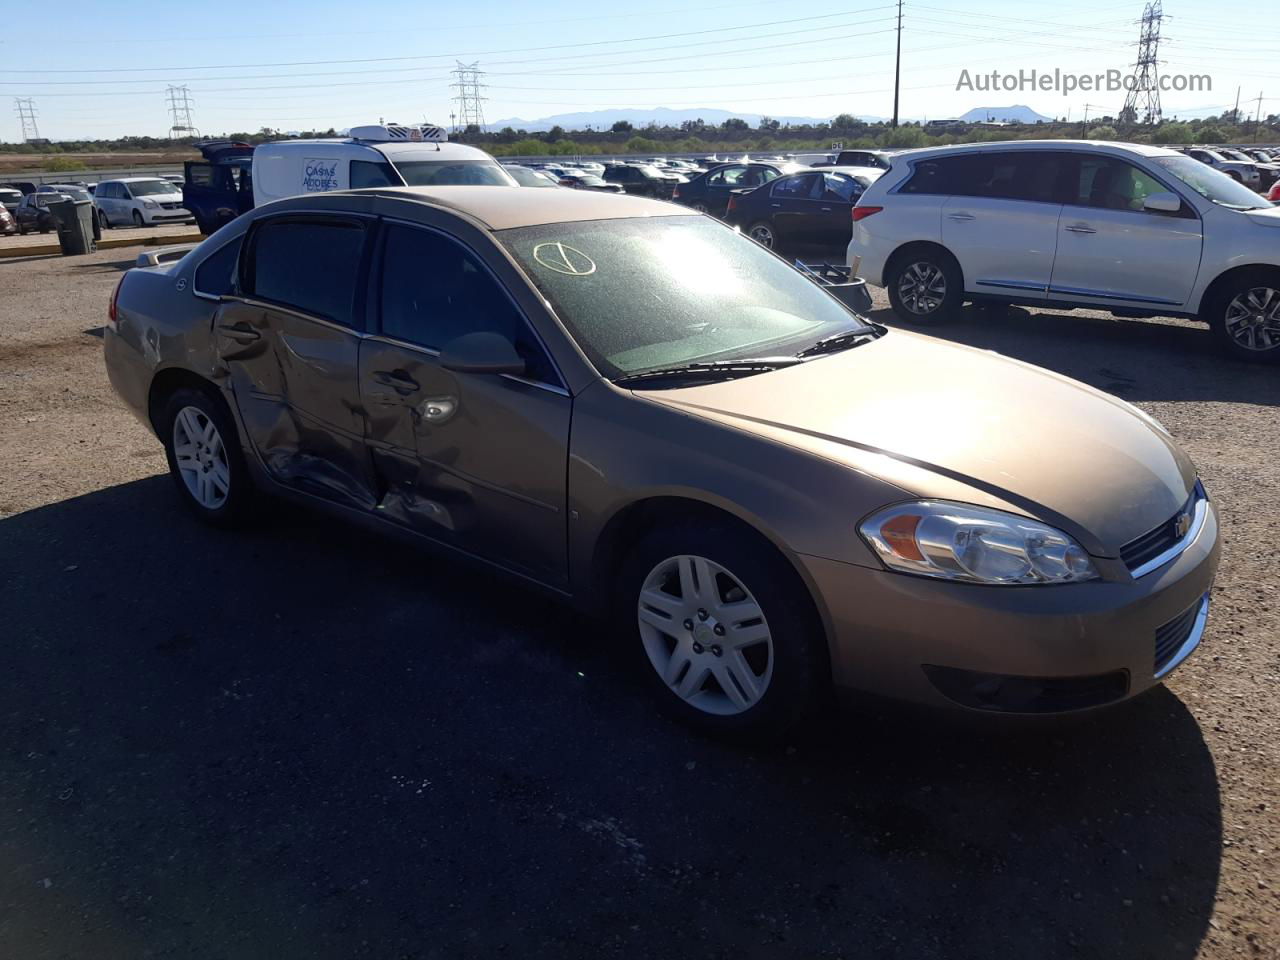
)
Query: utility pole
[
  {"x": 1257, "y": 120},
  {"x": 1084, "y": 126},
  {"x": 470, "y": 102},
  {"x": 26, "y": 108},
  {"x": 1235, "y": 114},
  {"x": 897, "y": 67},
  {"x": 1142, "y": 102},
  {"x": 179, "y": 100}
]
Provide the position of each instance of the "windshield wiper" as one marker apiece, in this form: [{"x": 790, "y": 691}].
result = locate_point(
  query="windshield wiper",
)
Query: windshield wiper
[
  {"x": 711, "y": 369},
  {"x": 839, "y": 341}
]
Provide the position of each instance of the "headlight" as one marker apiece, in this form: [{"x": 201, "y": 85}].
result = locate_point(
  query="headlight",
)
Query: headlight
[
  {"x": 955, "y": 541},
  {"x": 150, "y": 204}
]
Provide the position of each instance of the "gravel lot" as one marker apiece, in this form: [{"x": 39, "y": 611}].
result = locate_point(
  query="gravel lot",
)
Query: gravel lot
[{"x": 305, "y": 742}]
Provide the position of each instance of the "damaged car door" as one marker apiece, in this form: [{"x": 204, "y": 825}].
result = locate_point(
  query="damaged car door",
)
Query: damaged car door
[
  {"x": 290, "y": 344},
  {"x": 474, "y": 459}
]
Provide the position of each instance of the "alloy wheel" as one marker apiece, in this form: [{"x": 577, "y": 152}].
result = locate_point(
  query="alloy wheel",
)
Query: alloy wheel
[
  {"x": 705, "y": 635},
  {"x": 922, "y": 287},
  {"x": 201, "y": 457},
  {"x": 762, "y": 234},
  {"x": 1253, "y": 319}
]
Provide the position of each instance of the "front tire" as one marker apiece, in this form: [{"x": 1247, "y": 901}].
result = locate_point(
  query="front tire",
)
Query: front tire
[
  {"x": 205, "y": 459},
  {"x": 137, "y": 219},
  {"x": 103, "y": 222},
  {"x": 724, "y": 631},
  {"x": 925, "y": 287},
  {"x": 698, "y": 206},
  {"x": 1245, "y": 317}
]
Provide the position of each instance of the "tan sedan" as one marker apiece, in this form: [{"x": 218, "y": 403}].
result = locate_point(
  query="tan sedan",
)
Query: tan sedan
[{"x": 656, "y": 418}]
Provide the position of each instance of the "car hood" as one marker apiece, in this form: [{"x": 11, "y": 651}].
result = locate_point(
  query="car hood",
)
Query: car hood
[
  {"x": 949, "y": 422},
  {"x": 1269, "y": 217}
]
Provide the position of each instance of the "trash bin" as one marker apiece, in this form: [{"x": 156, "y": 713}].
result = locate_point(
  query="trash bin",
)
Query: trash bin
[
  {"x": 75, "y": 226},
  {"x": 839, "y": 281}
]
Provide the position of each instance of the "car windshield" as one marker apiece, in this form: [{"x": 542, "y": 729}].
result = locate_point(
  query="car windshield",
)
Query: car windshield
[
  {"x": 151, "y": 188},
  {"x": 1212, "y": 184},
  {"x": 437, "y": 173},
  {"x": 642, "y": 294},
  {"x": 75, "y": 193}
]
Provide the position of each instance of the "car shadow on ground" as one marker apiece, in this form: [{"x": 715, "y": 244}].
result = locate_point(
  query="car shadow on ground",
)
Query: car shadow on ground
[
  {"x": 305, "y": 740},
  {"x": 1137, "y": 360}
]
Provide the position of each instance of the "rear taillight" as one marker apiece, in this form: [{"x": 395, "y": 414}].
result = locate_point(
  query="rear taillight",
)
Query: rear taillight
[
  {"x": 676, "y": 192},
  {"x": 861, "y": 213},
  {"x": 733, "y": 203},
  {"x": 112, "y": 313}
]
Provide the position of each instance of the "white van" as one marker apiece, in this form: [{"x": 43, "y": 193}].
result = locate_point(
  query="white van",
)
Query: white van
[{"x": 380, "y": 155}]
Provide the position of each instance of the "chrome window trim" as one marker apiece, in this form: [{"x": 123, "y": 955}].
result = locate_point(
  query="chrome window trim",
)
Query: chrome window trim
[
  {"x": 435, "y": 355},
  {"x": 1197, "y": 524},
  {"x": 1189, "y": 645},
  {"x": 301, "y": 315}
]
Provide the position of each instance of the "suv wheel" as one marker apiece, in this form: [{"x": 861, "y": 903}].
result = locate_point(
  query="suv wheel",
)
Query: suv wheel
[
  {"x": 205, "y": 458},
  {"x": 137, "y": 219},
  {"x": 1245, "y": 318},
  {"x": 103, "y": 222},
  {"x": 925, "y": 287},
  {"x": 725, "y": 633},
  {"x": 698, "y": 206}
]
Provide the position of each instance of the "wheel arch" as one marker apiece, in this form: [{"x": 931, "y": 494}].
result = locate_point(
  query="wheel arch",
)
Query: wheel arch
[
  {"x": 634, "y": 520},
  {"x": 171, "y": 379},
  {"x": 916, "y": 248},
  {"x": 1224, "y": 280}
]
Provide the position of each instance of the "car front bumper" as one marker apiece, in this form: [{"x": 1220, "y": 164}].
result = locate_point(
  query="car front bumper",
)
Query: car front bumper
[
  {"x": 1032, "y": 650},
  {"x": 180, "y": 215}
]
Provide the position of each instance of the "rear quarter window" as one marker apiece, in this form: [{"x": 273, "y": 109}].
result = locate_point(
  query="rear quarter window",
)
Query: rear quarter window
[
  {"x": 309, "y": 265},
  {"x": 216, "y": 275}
]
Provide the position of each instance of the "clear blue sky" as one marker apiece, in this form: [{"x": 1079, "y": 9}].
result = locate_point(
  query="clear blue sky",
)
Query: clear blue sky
[{"x": 241, "y": 60}]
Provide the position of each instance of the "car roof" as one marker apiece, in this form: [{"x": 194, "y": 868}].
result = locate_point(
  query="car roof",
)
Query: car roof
[
  {"x": 134, "y": 180},
  {"x": 854, "y": 171},
  {"x": 1094, "y": 146},
  {"x": 395, "y": 150},
  {"x": 503, "y": 208}
]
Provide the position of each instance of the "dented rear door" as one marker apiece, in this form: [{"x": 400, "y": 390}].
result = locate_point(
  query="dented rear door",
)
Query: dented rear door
[{"x": 291, "y": 348}]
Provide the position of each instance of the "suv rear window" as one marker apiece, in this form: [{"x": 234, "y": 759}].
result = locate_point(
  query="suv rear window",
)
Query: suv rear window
[
  {"x": 1000, "y": 175},
  {"x": 308, "y": 264}
]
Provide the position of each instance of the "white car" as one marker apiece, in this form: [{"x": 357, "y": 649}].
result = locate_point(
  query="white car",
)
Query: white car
[
  {"x": 139, "y": 202},
  {"x": 1139, "y": 231}
]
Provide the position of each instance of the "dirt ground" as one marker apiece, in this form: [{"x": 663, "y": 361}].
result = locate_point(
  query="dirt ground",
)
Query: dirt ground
[
  {"x": 301, "y": 741},
  {"x": 13, "y": 164}
]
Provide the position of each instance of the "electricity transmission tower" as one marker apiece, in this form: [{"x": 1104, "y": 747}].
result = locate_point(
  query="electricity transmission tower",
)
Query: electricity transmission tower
[
  {"x": 179, "y": 99},
  {"x": 1142, "y": 102},
  {"x": 27, "y": 117},
  {"x": 470, "y": 102}
]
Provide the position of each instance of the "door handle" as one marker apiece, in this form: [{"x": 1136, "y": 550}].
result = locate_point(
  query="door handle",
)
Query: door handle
[
  {"x": 775, "y": 204},
  {"x": 397, "y": 380},
  {"x": 1081, "y": 228},
  {"x": 239, "y": 332},
  {"x": 826, "y": 209},
  {"x": 961, "y": 217}
]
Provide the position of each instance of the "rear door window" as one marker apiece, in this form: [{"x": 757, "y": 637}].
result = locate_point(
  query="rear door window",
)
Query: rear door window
[
  {"x": 804, "y": 187},
  {"x": 840, "y": 188},
  {"x": 308, "y": 264},
  {"x": 1032, "y": 175}
]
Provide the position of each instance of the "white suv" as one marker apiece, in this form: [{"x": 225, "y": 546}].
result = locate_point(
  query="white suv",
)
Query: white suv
[
  {"x": 140, "y": 201},
  {"x": 1140, "y": 231}
]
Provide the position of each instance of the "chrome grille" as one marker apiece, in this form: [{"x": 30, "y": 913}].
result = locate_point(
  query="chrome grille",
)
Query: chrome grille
[{"x": 1151, "y": 544}]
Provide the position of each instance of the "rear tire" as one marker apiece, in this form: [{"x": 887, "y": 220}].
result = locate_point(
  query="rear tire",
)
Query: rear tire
[
  {"x": 698, "y": 206},
  {"x": 762, "y": 233},
  {"x": 925, "y": 286},
  {"x": 772, "y": 658},
  {"x": 205, "y": 458},
  {"x": 103, "y": 222},
  {"x": 1244, "y": 316}
]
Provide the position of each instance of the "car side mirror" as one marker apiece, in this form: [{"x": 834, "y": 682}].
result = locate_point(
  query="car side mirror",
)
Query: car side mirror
[
  {"x": 481, "y": 352},
  {"x": 1162, "y": 203}
]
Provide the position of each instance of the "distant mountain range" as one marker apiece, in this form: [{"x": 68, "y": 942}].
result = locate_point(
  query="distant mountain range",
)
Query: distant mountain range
[
  {"x": 662, "y": 116},
  {"x": 1015, "y": 114}
]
